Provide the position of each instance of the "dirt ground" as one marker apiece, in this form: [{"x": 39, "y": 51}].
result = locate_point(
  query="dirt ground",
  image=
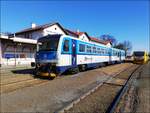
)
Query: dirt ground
[{"x": 55, "y": 94}]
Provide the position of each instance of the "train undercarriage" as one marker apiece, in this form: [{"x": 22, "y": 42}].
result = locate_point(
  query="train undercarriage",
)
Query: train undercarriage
[{"x": 46, "y": 70}]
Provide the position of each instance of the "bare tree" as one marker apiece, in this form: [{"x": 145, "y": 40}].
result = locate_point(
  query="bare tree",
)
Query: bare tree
[
  {"x": 111, "y": 38},
  {"x": 119, "y": 46},
  {"x": 127, "y": 46}
]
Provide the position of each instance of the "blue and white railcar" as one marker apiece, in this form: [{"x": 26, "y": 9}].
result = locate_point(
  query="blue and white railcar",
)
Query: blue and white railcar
[
  {"x": 58, "y": 53},
  {"x": 117, "y": 55}
]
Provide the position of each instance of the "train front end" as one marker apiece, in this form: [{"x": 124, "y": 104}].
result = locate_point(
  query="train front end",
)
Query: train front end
[
  {"x": 47, "y": 56},
  {"x": 139, "y": 57}
]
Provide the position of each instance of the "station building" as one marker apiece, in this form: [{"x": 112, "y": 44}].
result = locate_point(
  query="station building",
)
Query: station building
[
  {"x": 16, "y": 50},
  {"x": 19, "y": 48}
]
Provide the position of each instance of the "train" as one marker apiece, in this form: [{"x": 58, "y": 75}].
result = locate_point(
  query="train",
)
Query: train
[
  {"x": 140, "y": 57},
  {"x": 57, "y": 54}
]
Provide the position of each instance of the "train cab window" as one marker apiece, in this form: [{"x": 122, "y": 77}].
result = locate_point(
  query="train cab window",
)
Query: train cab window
[
  {"x": 81, "y": 47},
  {"x": 138, "y": 53},
  {"x": 48, "y": 43},
  {"x": 66, "y": 46}
]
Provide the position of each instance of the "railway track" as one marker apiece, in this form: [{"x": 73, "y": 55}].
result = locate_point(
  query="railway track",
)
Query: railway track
[
  {"x": 12, "y": 86},
  {"x": 16, "y": 82},
  {"x": 115, "y": 102},
  {"x": 118, "y": 80},
  {"x": 62, "y": 90}
]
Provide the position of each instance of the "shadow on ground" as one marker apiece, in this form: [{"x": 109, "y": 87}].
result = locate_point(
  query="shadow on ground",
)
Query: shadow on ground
[
  {"x": 31, "y": 71},
  {"x": 24, "y": 71}
]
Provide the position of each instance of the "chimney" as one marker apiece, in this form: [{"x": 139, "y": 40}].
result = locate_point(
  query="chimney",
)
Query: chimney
[
  {"x": 78, "y": 31},
  {"x": 33, "y": 25}
]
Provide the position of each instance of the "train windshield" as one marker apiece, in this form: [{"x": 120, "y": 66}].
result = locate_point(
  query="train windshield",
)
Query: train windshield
[
  {"x": 49, "y": 43},
  {"x": 140, "y": 53}
]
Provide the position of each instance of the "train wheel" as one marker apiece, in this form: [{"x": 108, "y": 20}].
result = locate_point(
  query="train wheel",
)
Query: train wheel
[
  {"x": 75, "y": 70},
  {"x": 82, "y": 68}
]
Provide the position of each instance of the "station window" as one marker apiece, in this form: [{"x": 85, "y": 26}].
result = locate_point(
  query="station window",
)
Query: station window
[
  {"x": 66, "y": 46},
  {"x": 81, "y": 47}
]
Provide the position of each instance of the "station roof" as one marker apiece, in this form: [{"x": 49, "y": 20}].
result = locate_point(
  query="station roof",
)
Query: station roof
[
  {"x": 40, "y": 27},
  {"x": 19, "y": 39},
  {"x": 3, "y": 36},
  {"x": 89, "y": 37},
  {"x": 24, "y": 40},
  {"x": 99, "y": 41},
  {"x": 66, "y": 31}
]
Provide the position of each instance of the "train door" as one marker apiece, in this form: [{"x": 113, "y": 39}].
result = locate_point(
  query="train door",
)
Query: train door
[
  {"x": 120, "y": 56},
  {"x": 74, "y": 55}
]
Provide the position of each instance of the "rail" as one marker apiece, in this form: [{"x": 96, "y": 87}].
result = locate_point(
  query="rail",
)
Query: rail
[{"x": 116, "y": 100}]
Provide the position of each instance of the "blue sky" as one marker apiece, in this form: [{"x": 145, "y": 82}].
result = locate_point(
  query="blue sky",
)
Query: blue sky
[{"x": 125, "y": 20}]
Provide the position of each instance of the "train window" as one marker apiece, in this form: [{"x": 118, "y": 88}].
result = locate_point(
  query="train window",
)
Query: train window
[
  {"x": 94, "y": 49},
  {"x": 138, "y": 53},
  {"x": 66, "y": 46},
  {"x": 81, "y": 48},
  {"x": 118, "y": 54},
  {"x": 102, "y": 51},
  {"x": 89, "y": 49},
  {"x": 113, "y": 53},
  {"x": 106, "y": 52},
  {"x": 98, "y": 50}
]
